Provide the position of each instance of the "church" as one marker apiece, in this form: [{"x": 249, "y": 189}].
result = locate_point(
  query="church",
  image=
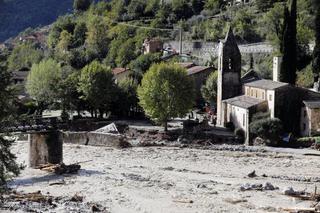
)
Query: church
[{"x": 240, "y": 97}]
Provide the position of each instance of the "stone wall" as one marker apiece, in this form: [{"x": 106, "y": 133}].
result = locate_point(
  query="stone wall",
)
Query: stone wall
[{"x": 93, "y": 139}]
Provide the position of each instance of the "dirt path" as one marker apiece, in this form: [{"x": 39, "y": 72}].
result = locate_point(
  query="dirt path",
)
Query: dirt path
[{"x": 163, "y": 179}]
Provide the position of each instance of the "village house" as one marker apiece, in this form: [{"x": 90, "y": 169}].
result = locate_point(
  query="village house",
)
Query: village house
[
  {"x": 199, "y": 74},
  {"x": 120, "y": 74},
  {"x": 153, "y": 45},
  {"x": 240, "y": 97}
]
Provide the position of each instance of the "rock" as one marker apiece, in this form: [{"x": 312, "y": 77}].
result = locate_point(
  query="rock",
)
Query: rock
[
  {"x": 252, "y": 174},
  {"x": 291, "y": 192},
  {"x": 269, "y": 186},
  {"x": 266, "y": 186}
]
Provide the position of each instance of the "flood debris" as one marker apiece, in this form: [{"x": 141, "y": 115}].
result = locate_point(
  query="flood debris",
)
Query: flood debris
[
  {"x": 235, "y": 201},
  {"x": 252, "y": 174},
  {"x": 39, "y": 202},
  {"x": 60, "y": 169},
  {"x": 258, "y": 187}
]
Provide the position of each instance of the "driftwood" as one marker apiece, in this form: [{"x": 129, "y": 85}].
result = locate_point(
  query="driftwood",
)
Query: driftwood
[
  {"x": 32, "y": 197},
  {"x": 300, "y": 210},
  {"x": 60, "y": 169}
]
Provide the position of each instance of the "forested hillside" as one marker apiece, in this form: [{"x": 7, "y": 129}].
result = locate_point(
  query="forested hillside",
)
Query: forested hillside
[{"x": 17, "y": 15}]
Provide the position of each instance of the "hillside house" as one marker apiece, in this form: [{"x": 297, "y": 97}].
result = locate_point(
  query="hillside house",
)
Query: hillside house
[{"x": 120, "y": 74}]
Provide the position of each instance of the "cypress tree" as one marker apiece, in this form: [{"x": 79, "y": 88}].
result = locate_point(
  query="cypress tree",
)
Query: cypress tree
[
  {"x": 316, "y": 51},
  {"x": 289, "y": 44}
]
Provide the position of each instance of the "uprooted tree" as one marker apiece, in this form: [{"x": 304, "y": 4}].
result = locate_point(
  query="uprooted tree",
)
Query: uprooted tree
[
  {"x": 166, "y": 92},
  {"x": 8, "y": 166}
]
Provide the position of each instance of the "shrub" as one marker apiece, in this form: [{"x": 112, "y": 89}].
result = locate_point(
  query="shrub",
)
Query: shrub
[
  {"x": 240, "y": 134},
  {"x": 269, "y": 129}
]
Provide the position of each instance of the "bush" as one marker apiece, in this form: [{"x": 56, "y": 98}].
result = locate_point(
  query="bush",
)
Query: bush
[
  {"x": 230, "y": 126},
  {"x": 240, "y": 134},
  {"x": 269, "y": 129}
]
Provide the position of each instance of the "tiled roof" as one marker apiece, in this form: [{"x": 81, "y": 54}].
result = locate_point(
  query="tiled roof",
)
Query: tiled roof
[
  {"x": 266, "y": 84},
  {"x": 244, "y": 101},
  {"x": 312, "y": 104},
  {"x": 118, "y": 70},
  {"x": 197, "y": 69}
]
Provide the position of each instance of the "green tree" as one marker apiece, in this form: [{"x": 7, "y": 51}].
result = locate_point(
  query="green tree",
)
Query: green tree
[
  {"x": 126, "y": 53},
  {"x": 305, "y": 77},
  {"x": 8, "y": 165},
  {"x": 166, "y": 92},
  {"x": 214, "y": 5},
  {"x": 209, "y": 90},
  {"x": 23, "y": 56},
  {"x": 141, "y": 64},
  {"x": 289, "y": 45},
  {"x": 97, "y": 37},
  {"x": 136, "y": 8},
  {"x": 264, "y": 5},
  {"x": 97, "y": 86},
  {"x": 127, "y": 104},
  {"x": 181, "y": 9},
  {"x": 43, "y": 82},
  {"x": 81, "y": 5},
  {"x": 65, "y": 41},
  {"x": 79, "y": 35}
]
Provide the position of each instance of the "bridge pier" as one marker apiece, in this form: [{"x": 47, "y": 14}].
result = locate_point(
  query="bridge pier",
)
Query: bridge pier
[{"x": 45, "y": 147}]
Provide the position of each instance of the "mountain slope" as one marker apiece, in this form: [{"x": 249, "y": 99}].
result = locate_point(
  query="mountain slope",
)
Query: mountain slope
[{"x": 17, "y": 15}]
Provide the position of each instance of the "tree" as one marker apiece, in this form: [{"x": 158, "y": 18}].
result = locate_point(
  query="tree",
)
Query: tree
[
  {"x": 8, "y": 165},
  {"x": 166, "y": 92},
  {"x": 209, "y": 90},
  {"x": 79, "y": 35},
  {"x": 214, "y": 5},
  {"x": 264, "y": 5},
  {"x": 289, "y": 45},
  {"x": 316, "y": 51},
  {"x": 23, "y": 56},
  {"x": 136, "y": 8},
  {"x": 126, "y": 53},
  {"x": 69, "y": 95},
  {"x": 97, "y": 37},
  {"x": 97, "y": 86},
  {"x": 43, "y": 82},
  {"x": 81, "y": 5},
  {"x": 65, "y": 41},
  {"x": 141, "y": 64},
  {"x": 305, "y": 77}
]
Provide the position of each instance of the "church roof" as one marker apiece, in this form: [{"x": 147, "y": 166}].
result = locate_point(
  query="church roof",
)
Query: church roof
[
  {"x": 244, "y": 101},
  {"x": 312, "y": 104},
  {"x": 197, "y": 69},
  {"x": 266, "y": 84}
]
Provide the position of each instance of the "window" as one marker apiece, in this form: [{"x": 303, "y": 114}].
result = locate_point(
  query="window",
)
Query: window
[
  {"x": 304, "y": 127},
  {"x": 248, "y": 91},
  {"x": 244, "y": 120},
  {"x": 270, "y": 97},
  {"x": 262, "y": 95},
  {"x": 251, "y": 92},
  {"x": 256, "y": 94},
  {"x": 305, "y": 113}
]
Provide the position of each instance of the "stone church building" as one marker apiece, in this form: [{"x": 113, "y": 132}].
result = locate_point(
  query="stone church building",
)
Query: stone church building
[{"x": 240, "y": 97}]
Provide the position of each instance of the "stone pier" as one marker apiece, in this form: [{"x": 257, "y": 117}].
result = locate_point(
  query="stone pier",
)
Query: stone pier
[{"x": 45, "y": 147}]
